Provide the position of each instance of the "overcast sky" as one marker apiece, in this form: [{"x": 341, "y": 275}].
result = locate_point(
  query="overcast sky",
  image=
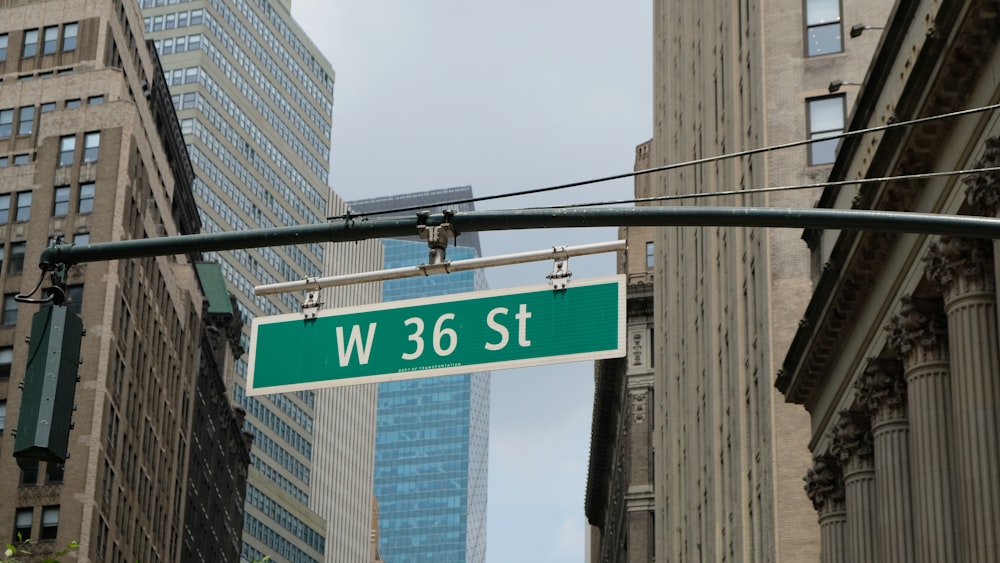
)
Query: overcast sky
[{"x": 502, "y": 96}]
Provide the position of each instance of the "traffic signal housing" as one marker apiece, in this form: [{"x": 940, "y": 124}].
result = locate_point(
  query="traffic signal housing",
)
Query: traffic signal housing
[{"x": 47, "y": 397}]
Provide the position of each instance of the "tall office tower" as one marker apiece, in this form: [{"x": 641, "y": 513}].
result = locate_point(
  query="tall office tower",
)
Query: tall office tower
[
  {"x": 90, "y": 150},
  {"x": 431, "y": 434},
  {"x": 731, "y": 77},
  {"x": 254, "y": 96},
  {"x": 344, "y": 467}
]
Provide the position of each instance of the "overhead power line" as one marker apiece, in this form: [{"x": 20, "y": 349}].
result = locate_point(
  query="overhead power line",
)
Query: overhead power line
[
  {"x": 695, "y": 162},
  {"x": 793, "y": 187}
]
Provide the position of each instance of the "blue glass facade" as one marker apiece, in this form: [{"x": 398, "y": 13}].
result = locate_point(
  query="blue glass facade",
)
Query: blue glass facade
[{"x": 431, "y": 440}]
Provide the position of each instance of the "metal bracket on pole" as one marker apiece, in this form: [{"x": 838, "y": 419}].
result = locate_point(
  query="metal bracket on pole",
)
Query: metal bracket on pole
[
  {"x": 310, "y": 307},
  {"x": 437, "y": 237},
  {"x": 560, "y": 276}
]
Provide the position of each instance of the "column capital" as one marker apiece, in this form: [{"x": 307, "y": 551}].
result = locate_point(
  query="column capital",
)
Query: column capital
[
  {"x": 882, "y": 390},
  {"x": 825, "y": 485},
  {"x": 983, "y": 188},
  {"x": 961, "y": 265},
  {"x": 851, "y": 438},
  {"x": 919, "y": 327}
]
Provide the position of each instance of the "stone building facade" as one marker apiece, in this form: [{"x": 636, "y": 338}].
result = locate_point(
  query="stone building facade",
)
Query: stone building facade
[
  {"x": 897, "y": 355},
  {"x": 91, "y": 151},
  {"x": 735, "y": 78}
]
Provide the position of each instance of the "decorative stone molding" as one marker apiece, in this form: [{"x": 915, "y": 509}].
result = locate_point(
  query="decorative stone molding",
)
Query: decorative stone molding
[
  {"x": 38, "y": 495},
  {"x": 639, "y": 400},
  {"x": 825, "y": 485},
  {"x": 983, "y": 188},
  {"x": 851, "y": 436},
  {"x": 956, "y": 259},
  {"x": 921, "y": 323},
  {"x": 882, "y": 389}
]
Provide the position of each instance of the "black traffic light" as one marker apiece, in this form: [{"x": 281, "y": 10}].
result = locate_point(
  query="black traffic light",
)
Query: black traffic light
[{"x": 49, "y": 385}]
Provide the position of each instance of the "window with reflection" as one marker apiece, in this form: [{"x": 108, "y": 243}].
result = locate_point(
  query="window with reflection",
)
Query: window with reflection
[
  {"x": 826, "y": 119},
  {"x": 824, "y": 32},
  {"x": 6, "y": 122},
  {"x": 67, "y": 146},
  {"x": 91, "y": 145},
  {"x": 60, "y": 204},
  {"x": 16, "y": 263},
  {"x": 86, "y": 204},
  {"x": 70, "y": 32},
  {"x": 50, "y": 39},
  {"x": 30, "y": 47}
]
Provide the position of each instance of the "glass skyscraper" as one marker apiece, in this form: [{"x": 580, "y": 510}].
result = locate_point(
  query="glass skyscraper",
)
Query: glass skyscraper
[{"x": 432, "y": 434}]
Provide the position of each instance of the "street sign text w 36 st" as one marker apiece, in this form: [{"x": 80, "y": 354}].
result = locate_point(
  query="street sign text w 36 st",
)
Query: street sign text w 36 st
[{"x": 480, "y": 331}]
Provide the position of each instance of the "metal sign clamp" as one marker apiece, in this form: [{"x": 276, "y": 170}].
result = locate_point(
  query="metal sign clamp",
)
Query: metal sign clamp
[
  {"x": 560, "y": 276},
  {"x": 310, "y": 307},
  {"x": 437, "y": 237}
]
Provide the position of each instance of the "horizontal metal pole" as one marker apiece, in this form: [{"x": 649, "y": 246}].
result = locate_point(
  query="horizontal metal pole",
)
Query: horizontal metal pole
[
  {"x": 557, "y": 252},
  {"x": 358, "y": 228}
]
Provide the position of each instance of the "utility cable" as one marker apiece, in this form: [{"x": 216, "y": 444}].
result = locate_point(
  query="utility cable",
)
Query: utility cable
[
  {"x": 793, "y": 187},
  {"x": 674, "y": 166}
]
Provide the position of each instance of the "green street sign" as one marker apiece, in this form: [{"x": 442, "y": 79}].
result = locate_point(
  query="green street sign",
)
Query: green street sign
[{"x": 480, "y": 331}]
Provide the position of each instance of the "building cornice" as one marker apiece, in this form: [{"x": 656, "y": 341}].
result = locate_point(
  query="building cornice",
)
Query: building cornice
[{"x": 951, "y": 60}]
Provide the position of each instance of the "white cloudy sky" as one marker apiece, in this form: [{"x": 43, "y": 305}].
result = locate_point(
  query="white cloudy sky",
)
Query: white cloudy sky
[{"x": 502, "y": 96}]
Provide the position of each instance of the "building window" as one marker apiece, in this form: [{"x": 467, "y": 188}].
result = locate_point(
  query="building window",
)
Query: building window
[
  {"x": 22, "y": 159},
  {"x": 16, "y": 263},
  {"x": 60, "y": 205},
  {"x": 9, "y": 314},
  {"x": 50, "y": 39},
  {"x": 54, "y": 472},
  {"x": 50, "y": 523},
  {"x": 30, "y": 48},
  {"x": 826, "y": 118},
  {"x": 3, "y": 47},
  {"x": 3, "y": 415},
  {"x": 650, "y": 255},
  {"x": 86, "y": 204},
  {"x": 22, "y": 524},
  {"x": 23, "y": 212},
  {"x": 47, "y": 107},
  {"x": 70, "y": 32},
  {"x": 29, "y": 474},
  {"x": 4, "y": 161},
  {"x": 26, "y": 120},
  {"x": 67, "y": 146},
  {"x": 4, "y": 208},
  {"x": 91, "y": 144},
  {"x": 95, "y": 100},
  {"x": 74, "y": 103},
  {"x": 6, "y": 123},
  {"x": 74, "y": 299},
  {"x": 81, "y": 238},
  {"x": 824, "y": 33},
  {"x": 6, "y": 359}
]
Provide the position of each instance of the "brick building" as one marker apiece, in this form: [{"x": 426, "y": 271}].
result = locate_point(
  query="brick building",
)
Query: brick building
[{"x": 91, "y": 151}]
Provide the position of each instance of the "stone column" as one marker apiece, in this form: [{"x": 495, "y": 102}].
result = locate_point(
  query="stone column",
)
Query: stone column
[
  {"x": 825, "y": 488},
  {"x": 983, "y": 190},
  {"x": 852, "y": 444},
  {"x": 919, "y": 335},
  {"x": 882, "y": 389},
  {"x": 964, "y": 268}
]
